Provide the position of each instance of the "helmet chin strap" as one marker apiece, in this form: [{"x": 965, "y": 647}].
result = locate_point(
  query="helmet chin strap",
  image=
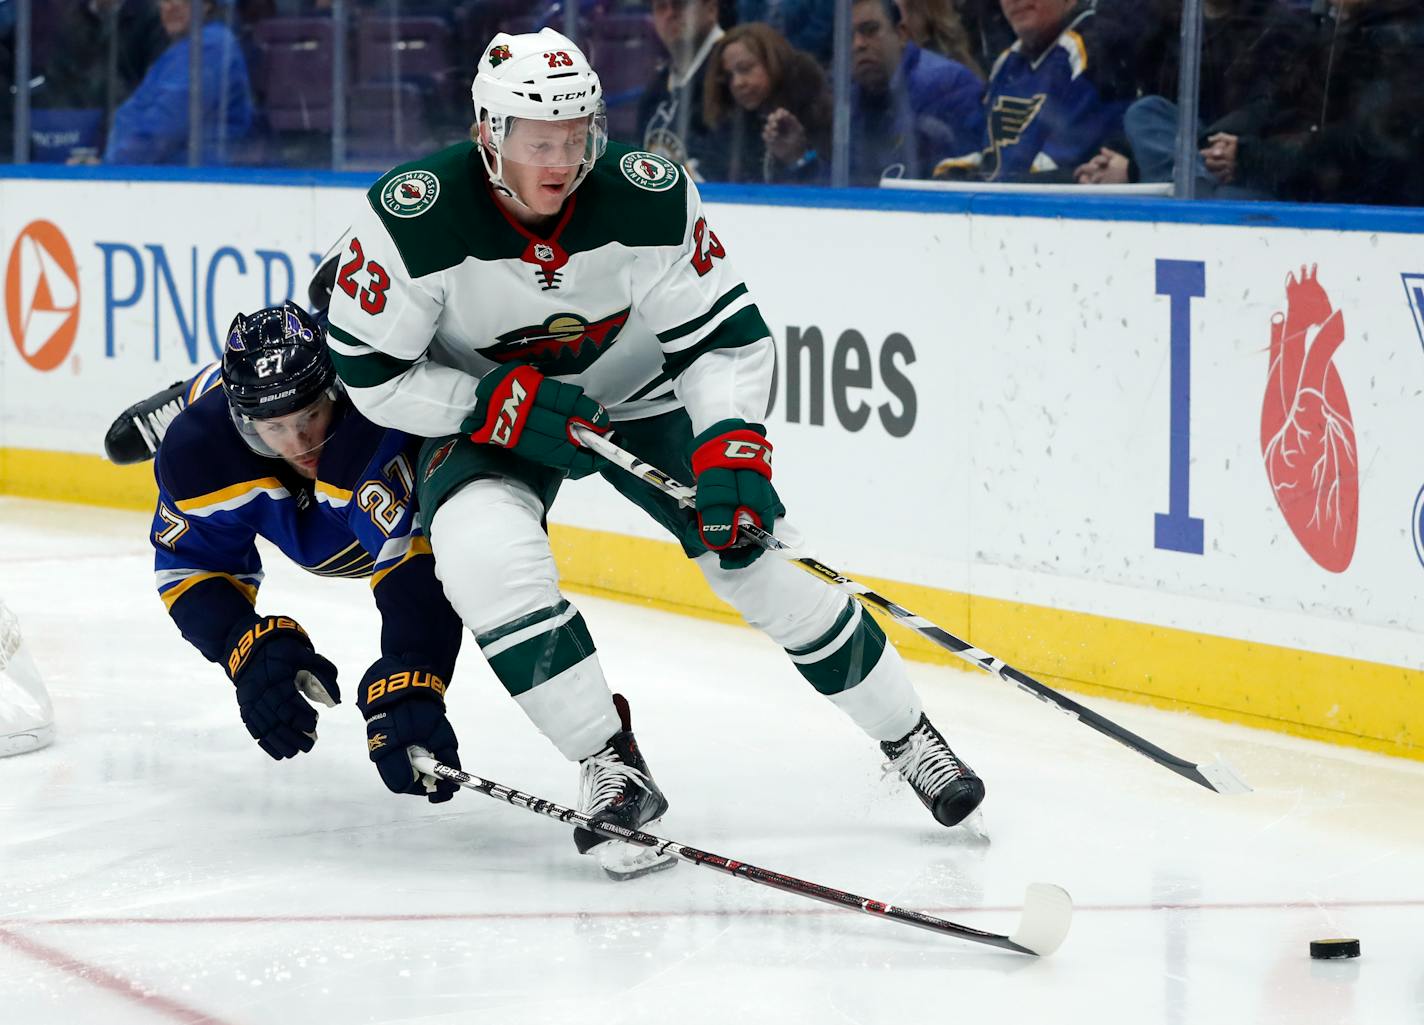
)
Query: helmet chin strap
[{"x": 495, "y": 170}]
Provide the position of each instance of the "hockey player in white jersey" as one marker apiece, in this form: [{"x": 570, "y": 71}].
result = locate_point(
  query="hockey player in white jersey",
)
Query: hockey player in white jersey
[{"x": 494, "y": 293}]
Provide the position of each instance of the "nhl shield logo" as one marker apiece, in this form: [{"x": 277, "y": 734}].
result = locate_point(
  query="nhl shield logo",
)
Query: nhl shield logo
[
  {"x": 649, "y": 171},
  {"x": 543, "y": 252},
  {"x": 410, "y": 193}
]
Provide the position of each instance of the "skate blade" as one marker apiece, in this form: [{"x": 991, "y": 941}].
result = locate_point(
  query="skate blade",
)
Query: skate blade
[
  {"x": 623, "y": 861},
  {"x": 971, "y": 829}
]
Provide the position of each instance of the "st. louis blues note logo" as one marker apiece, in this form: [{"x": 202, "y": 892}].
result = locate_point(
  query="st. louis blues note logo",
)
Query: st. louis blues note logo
[{"x": 292, "y": 327}]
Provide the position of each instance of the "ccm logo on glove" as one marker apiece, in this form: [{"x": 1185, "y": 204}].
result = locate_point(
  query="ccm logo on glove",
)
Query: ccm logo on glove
[
  {"x": 732, "y": 464},
  {"x": 503, "y": 431},
  {"x": 238, "y": 656},
  {"x": 519, "y": 409},
  {"x": 749, "y": 450},
  {"x": 400, "y": 681}
]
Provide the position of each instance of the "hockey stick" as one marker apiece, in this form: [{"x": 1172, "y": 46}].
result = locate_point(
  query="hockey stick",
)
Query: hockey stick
[
  {"x": 1043, "y": 924},
  {"x": 1217, "y": 775}
]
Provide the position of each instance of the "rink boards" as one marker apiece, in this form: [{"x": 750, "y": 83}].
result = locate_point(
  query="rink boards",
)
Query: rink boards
[{"x": 1058, "y": 427}]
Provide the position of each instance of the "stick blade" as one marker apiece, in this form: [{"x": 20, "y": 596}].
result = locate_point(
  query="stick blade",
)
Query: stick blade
[
  {"x": 1223, "y": 778},
  {"x": 1047, "y": 914}
]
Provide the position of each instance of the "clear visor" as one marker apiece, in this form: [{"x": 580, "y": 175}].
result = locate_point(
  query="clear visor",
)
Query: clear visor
[
  {"x": 295, "y": 437},
  {"x": 568, "y": 143}
]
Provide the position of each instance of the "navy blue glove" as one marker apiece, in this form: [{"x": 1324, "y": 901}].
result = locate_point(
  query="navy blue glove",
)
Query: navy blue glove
[
  {"x": 272, "y": 663},
  {"x": 404, "y": 705}
]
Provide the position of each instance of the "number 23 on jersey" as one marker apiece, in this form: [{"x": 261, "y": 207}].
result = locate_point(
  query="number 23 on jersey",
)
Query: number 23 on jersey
[{"x": 373, "y": 296}]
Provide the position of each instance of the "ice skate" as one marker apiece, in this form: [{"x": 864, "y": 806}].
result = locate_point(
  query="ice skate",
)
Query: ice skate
[
  {"x": 616, "y": 786},
  {"x": 944, "y": 784},
  {"x": 137, "y": 432}
]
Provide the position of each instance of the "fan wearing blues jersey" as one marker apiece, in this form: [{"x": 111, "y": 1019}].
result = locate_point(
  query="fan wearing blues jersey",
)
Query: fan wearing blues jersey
[
  {"x": 495, "y": 294},
  {"x": 278, "y": 452}
]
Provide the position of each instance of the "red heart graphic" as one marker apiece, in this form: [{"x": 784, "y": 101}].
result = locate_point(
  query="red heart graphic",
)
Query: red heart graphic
[{"x": 1307, "y": 433}]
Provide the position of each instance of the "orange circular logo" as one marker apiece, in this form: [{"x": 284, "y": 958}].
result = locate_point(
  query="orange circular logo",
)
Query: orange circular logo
[{"x": 42, "y": 295}]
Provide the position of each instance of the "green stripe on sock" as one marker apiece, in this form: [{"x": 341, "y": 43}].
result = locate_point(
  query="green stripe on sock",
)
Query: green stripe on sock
[
  {"x": 847, "y": 665},
  {"x": 552, "y": 612},
  {"x": 543, "y": 656}
]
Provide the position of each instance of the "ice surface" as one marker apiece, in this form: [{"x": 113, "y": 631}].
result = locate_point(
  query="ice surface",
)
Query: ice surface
[{"x": 155, "y": 866}]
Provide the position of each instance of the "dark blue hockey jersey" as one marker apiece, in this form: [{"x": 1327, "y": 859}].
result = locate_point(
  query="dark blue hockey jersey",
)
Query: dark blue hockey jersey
[
  {"x": 357, "y": 519},
  {"x": 1044, "y": 115}
]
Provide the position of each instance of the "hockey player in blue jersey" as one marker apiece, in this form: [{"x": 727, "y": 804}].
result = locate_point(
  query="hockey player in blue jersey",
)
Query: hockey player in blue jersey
[
  {"x": 278, "y": 451},
  {"x": 136, "y": 433}
]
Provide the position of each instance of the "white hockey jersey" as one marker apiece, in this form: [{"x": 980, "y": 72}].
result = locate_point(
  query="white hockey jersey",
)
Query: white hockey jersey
[{"x": 630, "y": 296}]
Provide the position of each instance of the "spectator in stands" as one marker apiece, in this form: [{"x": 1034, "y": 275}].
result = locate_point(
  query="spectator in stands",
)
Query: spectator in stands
[
  {"x": 151, "y": 126},
  {"x": 935, "y": 25},
  {"x": 908, "y": 107},
  {"x": 102, "y": 49},
  {"x": 768, "y": 107},
  {"x": 1046, "y": 106},
  {"x": 1247, "y": 45},
  {"x": 989, "y": 31},
  {"x": 806, "y": 24},
  {"x": 1347, "y": 127},
  {"x": 670, "y": 117}
]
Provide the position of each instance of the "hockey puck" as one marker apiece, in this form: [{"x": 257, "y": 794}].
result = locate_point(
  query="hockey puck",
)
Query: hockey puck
[{"x": 1330, "y": 950}]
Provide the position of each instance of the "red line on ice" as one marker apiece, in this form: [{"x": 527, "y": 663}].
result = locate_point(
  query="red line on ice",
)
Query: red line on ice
[
  {"x": 107, "y": 980},
  {"x": 506, "y": 916}
]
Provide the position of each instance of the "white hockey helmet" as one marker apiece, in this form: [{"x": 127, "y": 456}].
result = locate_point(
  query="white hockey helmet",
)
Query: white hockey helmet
[{"x": 537, "y": 76}]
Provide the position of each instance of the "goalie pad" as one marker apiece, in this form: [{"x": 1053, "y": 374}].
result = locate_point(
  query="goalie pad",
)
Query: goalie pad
[{"x": 26, "y": 716}]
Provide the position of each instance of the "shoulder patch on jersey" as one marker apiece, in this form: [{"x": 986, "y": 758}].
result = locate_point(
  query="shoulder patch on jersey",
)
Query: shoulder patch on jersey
[
  {"x": 410, "y": 193},
  {"x": 649, "y": 171}
]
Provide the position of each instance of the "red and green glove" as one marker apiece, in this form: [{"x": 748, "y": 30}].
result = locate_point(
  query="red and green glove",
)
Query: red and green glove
[
  {"x": 731, "y": 462},
  {"x": 533, "y": 416}
]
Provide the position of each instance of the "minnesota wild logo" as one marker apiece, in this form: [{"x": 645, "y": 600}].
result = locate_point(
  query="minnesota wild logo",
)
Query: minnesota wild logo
[
  {"x": 649, "y": 171},
  {"x": 410, "y": 193},
  {"x": 564, "y": 344},
  {"x": 499, "y": 55}
]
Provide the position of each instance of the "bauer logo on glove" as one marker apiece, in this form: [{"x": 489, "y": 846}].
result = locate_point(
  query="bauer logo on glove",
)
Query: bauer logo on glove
[
  {"x": 242, "y": 647},
  {"x": 401, "y": 680},
  {"x": 404, "y": 705},
  {"x": 275, "y": 672}
]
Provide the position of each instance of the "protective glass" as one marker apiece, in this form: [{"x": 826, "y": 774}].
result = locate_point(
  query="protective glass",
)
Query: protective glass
[{"x": 555, "y": 143}]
